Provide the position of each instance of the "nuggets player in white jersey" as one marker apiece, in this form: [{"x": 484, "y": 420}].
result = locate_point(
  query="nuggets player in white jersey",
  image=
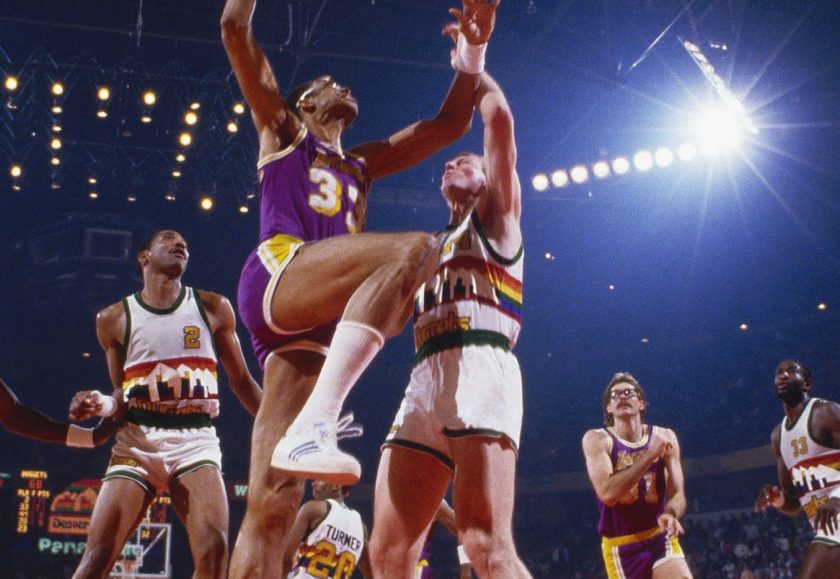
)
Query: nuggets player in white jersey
[
  {"x": 461, "y": 417},
  {"x": 161, "y": 345},
  {"x": 328, "y": 538},
  {"x": 807, "y": 448}
]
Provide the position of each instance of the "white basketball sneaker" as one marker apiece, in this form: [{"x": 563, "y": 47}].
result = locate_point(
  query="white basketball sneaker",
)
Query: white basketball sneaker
[{"x": 314, "y": 453}]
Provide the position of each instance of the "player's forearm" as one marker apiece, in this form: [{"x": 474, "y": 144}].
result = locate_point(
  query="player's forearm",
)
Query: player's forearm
[
  {"x": 238, "y": 13},
  {"x": 30, "y": 423},
  {"x": 677, "y": 505},
  {"x": 622, "y": 481},
  {"x": 249, "y": 394},
  {"x": 455, "y": 114}
]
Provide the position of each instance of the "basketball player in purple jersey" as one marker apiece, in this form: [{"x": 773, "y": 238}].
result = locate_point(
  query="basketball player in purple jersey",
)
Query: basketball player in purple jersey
[
  {"x": 807, "y": 448},
  {"x": 638, "y": 479},
  {"x": 307, "y": 271}
]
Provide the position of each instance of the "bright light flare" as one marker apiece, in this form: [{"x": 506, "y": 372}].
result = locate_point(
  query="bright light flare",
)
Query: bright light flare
[
  {"x": 579, "y": 174},
  {"x": 719, "y": 130},
  {"x": 55, "y": 144},
  {"x": 11, "y": 83},
  {"x": 57, "y": 89},
  {"x": 601, "y": 169},
  {"x": 540, "y": 182},
  {"x": 103, "y": 94},
  {"x": 643, "y": 160},
  {"x": 15, "y": 171},
  {"x": 687, "y": 152},
  {"x": 206, "y": 203},
  {"x": 185, "y": 139},
  {"x": 663, "y": 157},
  {"x": 149, "y": 98},
  {"x": 560, "y": 178},
  {"x": 620, "y": 165},
  {"x": 238, "y": 108},
  {"x": 190, "y": 118}
]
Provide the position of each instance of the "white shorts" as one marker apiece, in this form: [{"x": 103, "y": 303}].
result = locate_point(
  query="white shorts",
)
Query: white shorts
[
  {"x": 466, "y": 391},
  {"x": 153, "y": 456}
]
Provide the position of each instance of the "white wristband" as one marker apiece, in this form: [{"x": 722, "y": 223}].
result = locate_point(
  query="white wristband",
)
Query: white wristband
[
  {"x": 462, "y": 556},
  {"x": 469, "y": 58},
  {"x": 78, "y": 437},
  {"x": 108, "y": 403}
]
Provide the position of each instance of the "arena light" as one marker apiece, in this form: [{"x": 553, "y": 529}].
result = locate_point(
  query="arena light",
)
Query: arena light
[
  {"x": 176, "y": 173},
  {"x": 146, "y": 119},
  {"x": 131, "y": 198},
  {"x": 643, "y": 160},
  {"x": 15, "y": 171},
  {"x": 12, "y": 83},
  {"x": 93, "y": 195},
  {"x": 180, "y": 157},
  {"x": 195, "y": 106},
  {"x": 56, "y": 128},
  {"x": 540, "y": 182},
  {"x": 238, "y": 108},
  {"x": 243, "y": 208},
  {"x": 56, "y": 109},
  {"x": 55, "y": 161},
  {"x": 601, "y": 169},
  {"x": 663, "y": 157},
  {"x": 718, "y": 129},
  {"x": 232, "y": 127},
  {"x": 103, "y": 94},
  {"x": 250, "y": 195},
  {"x": 743, "y": 327},
  {"x": 560, "y": 178},
  {"x": 169, "y": 197},
  {"x": 92, "y": 180},
  {"x": 579, "y": 174},
  {"x": 620, "y": 165},
  {"x": 822, "y": 306},
  {"x": 57, "y": 89},
  {"x": 185, "y": 139},
  {"x": 687, "y": 152},
  {"x": 149, "y": 98},
  {"x": 190, "y": 118},
  {"x": 55, "y": 144},
  {"x": 102, "y": 114},
  {"x": 206, "y": 203}
]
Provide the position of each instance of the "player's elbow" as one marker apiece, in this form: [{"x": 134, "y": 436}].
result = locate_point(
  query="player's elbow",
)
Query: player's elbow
[{"x": 233, "y": 31}]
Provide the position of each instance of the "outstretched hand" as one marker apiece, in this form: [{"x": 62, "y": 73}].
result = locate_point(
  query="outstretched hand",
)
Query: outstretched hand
[
  {"x": 670, "y": 525},
  {"x": 475, "y": 22}
]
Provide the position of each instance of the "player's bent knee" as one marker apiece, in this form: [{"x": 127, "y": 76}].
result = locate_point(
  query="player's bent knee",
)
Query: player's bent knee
[
  {"x": 275, "y": 505},
  {"x": 417, "y": 258}
]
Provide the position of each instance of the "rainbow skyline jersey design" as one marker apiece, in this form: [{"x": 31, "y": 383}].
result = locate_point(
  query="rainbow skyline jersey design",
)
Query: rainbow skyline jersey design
[
  {"x": 814, "y": 468},
  {"x": 474, "y": 297},
  {"x": 170, "y": 358},
  {"x": 311, "y": 192}
]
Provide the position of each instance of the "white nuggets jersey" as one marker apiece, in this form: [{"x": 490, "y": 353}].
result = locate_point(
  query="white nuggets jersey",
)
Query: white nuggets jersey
[
  {"x": 814, "y": 468},
  {"x": 333, "y": 548},
  {"x": 474, "y": 297},
  {"x": 170, "y": 357}
]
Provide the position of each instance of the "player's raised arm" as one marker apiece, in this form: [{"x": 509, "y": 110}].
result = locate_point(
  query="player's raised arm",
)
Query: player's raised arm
[
  {"x": 421, "y": 139},
  {"x": 504, "y": 196},
  {"x": 256, "y": 78}
]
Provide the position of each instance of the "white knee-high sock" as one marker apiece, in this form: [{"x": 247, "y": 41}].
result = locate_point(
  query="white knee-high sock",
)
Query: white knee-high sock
[{"x": 353, "y": 347}]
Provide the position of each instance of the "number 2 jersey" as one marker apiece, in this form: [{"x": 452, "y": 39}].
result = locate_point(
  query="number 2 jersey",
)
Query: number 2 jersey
[
  {"x": 639, "y": 508},
  {"x": 333, "y": 547},
  {"x": 170, "y": 362},
  {"x": 814, "y": 468}
]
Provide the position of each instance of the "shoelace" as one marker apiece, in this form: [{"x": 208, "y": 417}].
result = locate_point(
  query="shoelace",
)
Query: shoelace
[{"x": 346, "y": 428}]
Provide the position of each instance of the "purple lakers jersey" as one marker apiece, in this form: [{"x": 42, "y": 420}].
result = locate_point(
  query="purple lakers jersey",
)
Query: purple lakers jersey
[
  {"x": 641, "y": 506},
  {"x": 309, "y": 191}
]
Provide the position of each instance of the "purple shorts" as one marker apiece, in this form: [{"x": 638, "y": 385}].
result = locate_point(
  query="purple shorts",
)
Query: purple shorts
[
  {"x": 259, "y": 278},
  {"x": 635, "y": 559}
]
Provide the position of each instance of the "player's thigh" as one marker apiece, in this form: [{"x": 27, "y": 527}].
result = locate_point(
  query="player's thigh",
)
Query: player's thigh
[
  {"x": 119, "y": 508},
  {"x": 200, "y": 500},
  {"x": 409, "y": 487},
  {"x": 672, "y": 569},
  {"x": 319, "y": 281},
  {"x": 820, "y": 560},
  {"x": 485, "y": 478}
]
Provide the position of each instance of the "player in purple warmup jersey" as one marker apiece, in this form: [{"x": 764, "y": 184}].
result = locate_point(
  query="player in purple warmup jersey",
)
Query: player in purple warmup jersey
[
  {"x": 314, "y": 265},
  {"x": 638, "y": 479}
]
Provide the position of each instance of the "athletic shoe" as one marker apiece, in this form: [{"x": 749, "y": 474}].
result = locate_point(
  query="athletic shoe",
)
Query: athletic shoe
[{"x": 314, "y": 454}]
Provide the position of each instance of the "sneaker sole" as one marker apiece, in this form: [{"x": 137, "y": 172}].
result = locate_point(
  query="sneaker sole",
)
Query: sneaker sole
[{"x": 312, "y": 472}]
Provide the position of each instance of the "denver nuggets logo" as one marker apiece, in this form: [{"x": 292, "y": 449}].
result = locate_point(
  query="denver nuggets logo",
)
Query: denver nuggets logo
[{"x": 462, "y": 242}]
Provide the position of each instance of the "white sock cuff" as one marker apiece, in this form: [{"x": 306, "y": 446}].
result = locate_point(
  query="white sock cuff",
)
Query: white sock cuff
[{"x": 377, "y": 335}]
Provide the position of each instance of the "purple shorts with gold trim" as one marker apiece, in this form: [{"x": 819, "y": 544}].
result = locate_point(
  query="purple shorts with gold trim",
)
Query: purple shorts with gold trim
[{"x": 257, "y": 283}]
